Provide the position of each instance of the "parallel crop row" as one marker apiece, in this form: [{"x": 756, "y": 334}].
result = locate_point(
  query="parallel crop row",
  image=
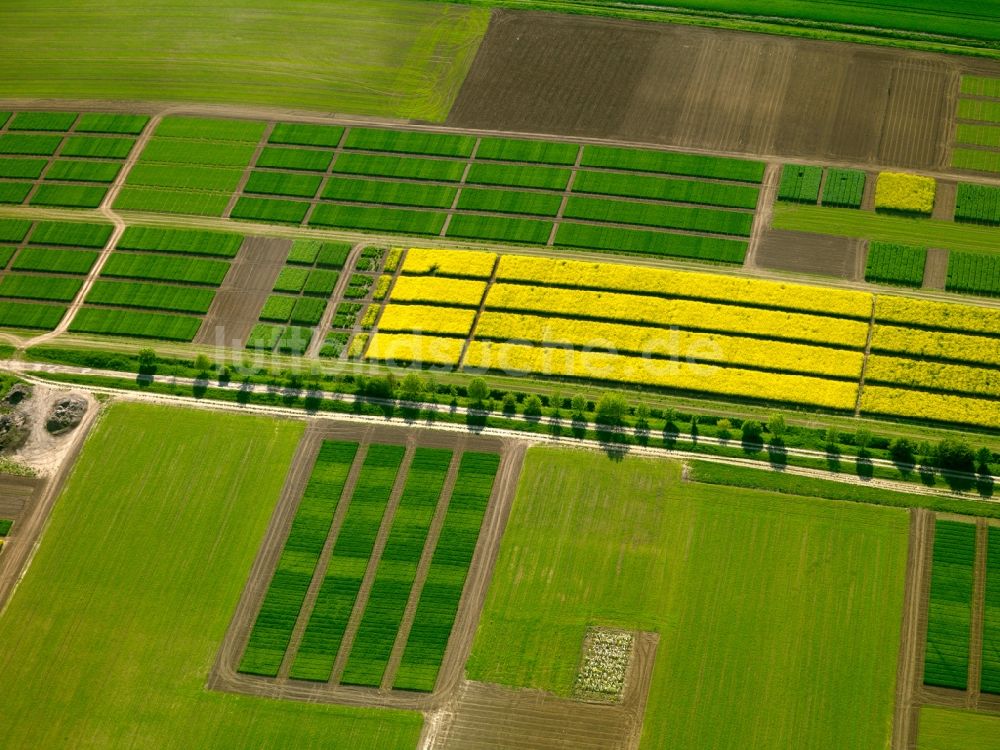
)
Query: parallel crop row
[
  {"x": 977, "y": 203},
  {"x": 152, "y": 296},
  {"x": 405, "y": 348},
  {"x": 924, "y": 406},
  {"x": 165, "y": 268},
  {"x": 442, "y": 591},
  {"x": 447, "y": 321},
  {"x": 286, "y": 593},
  {"x": 348, "y": 563},
  {"x": 974, "y": 273},
  {"x": 942, "y": 315},
  {"x": 990, "y": 681},
  {"x": 902, "y": 265},
  {"x": 113, "y": 322},
  {"x": 397, "y": 568},
  {"x": 467, "y": 263},
  {"x": 946, "y": 662}
]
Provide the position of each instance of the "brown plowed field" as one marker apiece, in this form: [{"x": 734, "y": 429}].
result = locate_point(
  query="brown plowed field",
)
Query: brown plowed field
[
  {"x": 811, "y": 253},
  {"x": 709, "y": 89},
  {"x": 249, "y": 281},
  {"x": 936, "y": 269}
]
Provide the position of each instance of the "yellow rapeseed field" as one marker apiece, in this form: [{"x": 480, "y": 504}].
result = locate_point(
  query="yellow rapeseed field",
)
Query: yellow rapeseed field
[
  {"x": 440, "y": 291},
  {"x": 401, "y": 347},
  {"x": 957, "y": 317},
  {"x": 898, "y": 191},
  {"x": 710, "y": 286},
  {"x": 683, "y": 345},
  {"x": 934, "y": 406},
  {"x": 938, "y": 344},
  {"x": 685, "y": 314},
  {"x": 936, "y": 375},
  {"x": 452, "y": 321},
  {"x": 470, "y": 263},
  {"x": 703, "y": 378}
]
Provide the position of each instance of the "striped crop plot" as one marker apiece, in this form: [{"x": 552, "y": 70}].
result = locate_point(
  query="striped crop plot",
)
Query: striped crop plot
[
  {"x": 946, "y": 662},
  {"x": 900, "y": 265},
  {"x": 990, "y": 681},
  {"x": 365, "y": 588}
]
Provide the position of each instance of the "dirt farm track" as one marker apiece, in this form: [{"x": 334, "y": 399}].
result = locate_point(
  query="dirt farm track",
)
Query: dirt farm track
[{"x": 710, "y": 89}]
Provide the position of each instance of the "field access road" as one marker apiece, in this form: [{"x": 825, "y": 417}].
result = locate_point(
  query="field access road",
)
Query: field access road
[{"x": 34, "y": 372}]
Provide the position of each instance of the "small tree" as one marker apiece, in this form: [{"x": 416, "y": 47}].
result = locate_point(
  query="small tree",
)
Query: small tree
[
  {"x": 202, "y": 364},
  {"x": 509, "y": 403},
  {"x": 478, "y": 391},
  {"x": 556, "y": 402},
  {"x": 983, "y": 458},
  {"x": 955, "y": 455},
  {"x": 862, "y": 439},
  {"x": 642, "y": 417},
  {"x": 147, "y": 361},
  {"x": 611, "y": 408},
  {"x": 903, "y": 451},
  {"x": 752, "y": 430},
  {"x": 412, "y": 387},
  {"x": 670, "y": 416},
  {"x": 777, "y": 427},
  {"x": 579, "y": 405},
  {"x": 832, "y": 439},
  {"x": 533, "y": 406},
  {"x": 723, "y": 429},
  {"x": 694, "y": 426}
]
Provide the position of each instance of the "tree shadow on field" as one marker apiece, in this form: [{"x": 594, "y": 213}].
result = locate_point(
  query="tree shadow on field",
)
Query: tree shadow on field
[
  {"x": 777, "y": 454},
  {"x": 752, "y": 446},
  {"x": 670, "y": 434},
  {"x": 960, "y": 482},
  {"x": 927, "y": 475},
  {"x": 833, "y": 459},
  {"x": 244, "y": 394},
  {"x": 475, "y": 421},
  {"x": 864, "y": 467},
  {"x": 200, "y": 387},
  {"x": 985, "y": 485},
  {"x": 579, "y": 428},
  {"x": 313, "y": 401}
]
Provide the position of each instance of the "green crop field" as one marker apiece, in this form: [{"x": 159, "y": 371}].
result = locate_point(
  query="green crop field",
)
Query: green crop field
[
  {"x": 973, "y": 274},
  {"x": 22, "y": 168},
  {"x": 348, "y": 560},
  {"x": 897, "y": 229},
  {"x": 303, "y": 134},
  {"x": 171, "y": 201},
  {"x": 689, "y": 165},
  {"x": 286, "y": 592},
  {"x": 25, "y": 286},
  {"x": 990, "y": 682},
  {"x": 500, "y": 229},
  {"x": 539, "y": 152},
  {"x": 277, "y": 307},
  {"x": 185, "y": 177},
  {"x": 14, "y": 192},
  {"x": 29, "y": 144},
  {"x": 410, "y": 142},
  {"x": 270, "y": 210},
  {"x": 946, "y": 662},
  {"x": 979, "y": 204},
  {"x": 68, "y": 196},
  {"x": 282, "y": 183},
  {"x": 902, "y": 265},
  {"x": 643, "y": 242},
  {"x": 387, "y": 58},
  {"x": 518, "y": 175},
  {"x": 321, "y": 282},
  {"x": 951, "y": 729},
  {"x": 308, "y": 311},
  {"x": 99, "y": 148},
  {"x": 844, "y": 188},
  {"x": 510, "y": 202},
  {"x": 407, "y": 167},
  {"x": 56, "y": 260},
  {"x": 653, "y": 215},
  {"x": 794, "y": 600},
  {"x": 800, "y": 184},
  {"x": 114, "y": 322},
  {"x": 30, "y": 315},
  {"x": 377, "y": 219},
  {"x": 165, "y": 268},
  {"x": 195, "y": 241},
  {"x": 397, "y": 568},
  {"x": 308, "y": 160},
  {"x": 291, "y": 279},
  {"x": 83, "y": 171},
  {"x": 71, "y": 234},
  {"x": 126, "y": 630},
  {"x": 94, "y": 122},
  {"x": 60, "y": 121},
  {"x": 153, "y": 296},
  {"x": 390, "y": 193},
  {"x": 666, "y": 189}
]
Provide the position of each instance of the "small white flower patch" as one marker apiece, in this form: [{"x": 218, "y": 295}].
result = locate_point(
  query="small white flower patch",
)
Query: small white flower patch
[{"x": 604, "y": 667}]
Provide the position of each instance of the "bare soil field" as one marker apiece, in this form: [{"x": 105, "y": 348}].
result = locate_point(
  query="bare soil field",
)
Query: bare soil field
[
  {"x": 944, "y": 201},
  {"x": 801, "y": 252},
  {"x": 224, "y": 675},
  {"x": 711, "y": 89},
  {"x": 239, "y": 300},
  {"x": 489, "y": 717},
  {"x": 936, "y": 269}
]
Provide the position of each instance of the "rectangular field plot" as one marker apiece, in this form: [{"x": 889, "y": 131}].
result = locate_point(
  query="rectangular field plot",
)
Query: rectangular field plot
[
  {"x": 410, "y": 142},
  {"x": 270, "y": 210},
  {"x": 692, "y": 165},
  {"x": 974, "y": 159},
  {"x": 442, "y": 590},
  {"x": 30, "y": 315},
  {"x": 389, "y": 193},
  {"x": 666, "y": 217},
  {"x": 397, "y": 568},
  {"x": 83, "y": 171},
  {"x": 71, "y": 233},
  {"x": 52, "y": 288},
  {"x": 172, "y": 201},
  {"x": 180, "y": 151},
  {"x": 68, "y": 196},
  {"x": 55, "y": 260},
  {"x": 500, "y": 229},
  {"x": 510, "y": 202},
  {"x": 666, "y": 189},
  {"x": 516, "y": 175},
  {"x": 14, "y": 192},
  {"x": 800, "y": 184},
  {"x": 184, "y": 177},
  {"x": 540, "y": 152},
  {"x": 844, "y": 188},
  {"x": 272, "y": 629},
  {"x": 202, "y": 128},
  {"x": 378, "y": 219},
  {"x": 165, "y": 268},
  {"x": 972, "y": 273},
  {"x": 304, "y": 134},
  {"x": 194, "y": 241},
  {"x": 990, "y": 679},
  {"x": 282, "y": 183},
  {"x": 979, "y": 204},
  {"x": 114, "y": 322},
  {"x": 402, "y": 167},
  {"x": 306, "y": 160},
  {"x": 94, "y": 122},
  {"x": 150, "y": 296},
  {"x": 14, "y": 230},
  {"x": 901, "y": 265},
  {"x": 644, "y": 242},
  {"x": 348, "y": 562},
  {"x": 97, "y": 148},
  {"x": 14, "y": 167},
  {"x": 29, "y": 144},
  {"x": 59, "y": 121},
  {"x": 946, "y": 661}
]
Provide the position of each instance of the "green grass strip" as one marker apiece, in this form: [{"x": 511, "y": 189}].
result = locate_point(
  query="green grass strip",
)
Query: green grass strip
[
  {"x": 52, "y": 288},
  {"x": 348, "y": 563},
  {"x": 946, "y": 660},
  {"x": 30, "y": 315},
  {"x": 397, "y": 568},
  {"x": 143, "y": 295},
  {"x": 131, "y": 323},
  {"x": 193, "y": 241},
  {"x": 692, "y": 165},
  {"x": 71, "y": 233},
  {"x": 449, "y": 568},
  {"x": 990, "y": 680},
  {"x": 286, "y": 592},
  {"x": 410, "y": 142}
]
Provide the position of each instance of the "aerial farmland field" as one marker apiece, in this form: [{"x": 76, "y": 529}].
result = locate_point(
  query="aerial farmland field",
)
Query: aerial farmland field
[{"x": 497, "y": 374}]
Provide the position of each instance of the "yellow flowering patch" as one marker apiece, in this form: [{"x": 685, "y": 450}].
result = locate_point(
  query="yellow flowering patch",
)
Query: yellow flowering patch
[
  {"x": 357, "y": 347},
  {"x": 702, "y": 378},
  {"x": 957, "y": 346},
  {"x": 392, "y": 259},
  {"x": 681, "y": 313},
  {"x": 708, "y": 286},
  {"x": 474, "y": 264},
  {"x": 660, "y": 342},
  {"x": 440, "y": 291},
  {"x": 931, "y": 406},
  {"x": 407, "y": 348},
  {"x": 937, "y": 375},
  {"x": 370, "y": 316},
  {"x": 382, "y": 286},
  {"x": 957, "y": 317},
  {"x": 451, "y": 321},
  {"x": 898, "y": 191}
]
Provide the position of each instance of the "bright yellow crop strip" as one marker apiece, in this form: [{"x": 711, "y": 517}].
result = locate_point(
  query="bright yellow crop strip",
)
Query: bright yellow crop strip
[
  {"x": 933, "y": 406},
  {"x": 945, "y": 377},
  {"x": 906, "y": 310},
  {"x": 901, "y": 191},
  {"x": 710, "y": 286},
  {"x": 957, "y": 346},
  {"x": 439, "y": 291},
  {"x": 683, "y": 345},
  {"x": 617, "y": 368},
  {"x": 681, "y": 313},
  {"x": 405, "y": 348},
  {"x": 452, "y": 321},
  {"x": 471, "y": 263}
]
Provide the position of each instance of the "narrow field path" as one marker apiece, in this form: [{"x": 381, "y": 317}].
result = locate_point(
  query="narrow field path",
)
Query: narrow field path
[
  {"x": 765, "y": 211},
  {"x": 336, "y": 298}
]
